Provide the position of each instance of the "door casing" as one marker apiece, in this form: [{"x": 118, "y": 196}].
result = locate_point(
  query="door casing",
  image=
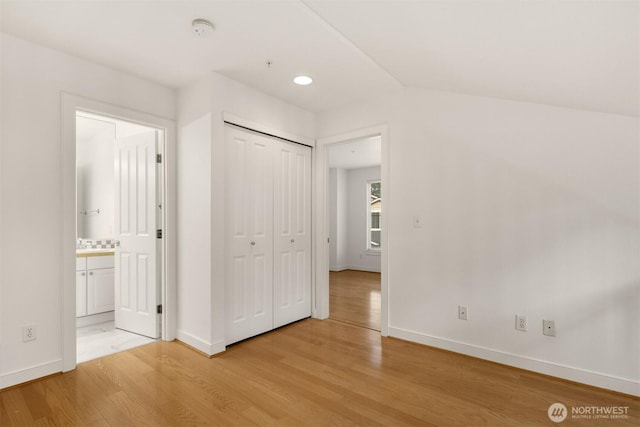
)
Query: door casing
[
  {"x": 70, "y": 105},
  {"x": 321, "y": 220}
]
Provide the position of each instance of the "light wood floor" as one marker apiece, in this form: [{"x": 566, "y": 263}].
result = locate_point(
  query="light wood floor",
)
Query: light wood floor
[
  {"x": 311, "y": 373},
  {"x": 354, "y": 297}
]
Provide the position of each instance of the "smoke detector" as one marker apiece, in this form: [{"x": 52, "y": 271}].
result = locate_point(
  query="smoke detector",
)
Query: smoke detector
[{"x": 202, "y": 27}]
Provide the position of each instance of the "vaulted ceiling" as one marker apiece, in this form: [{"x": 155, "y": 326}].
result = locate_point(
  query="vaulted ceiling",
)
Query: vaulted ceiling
[{"x": 579, "y": 54}]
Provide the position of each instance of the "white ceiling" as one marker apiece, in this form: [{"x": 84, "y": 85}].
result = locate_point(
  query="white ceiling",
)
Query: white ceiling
[
  {"x": 356, "y": 154},
  {"x": 580, "y": 54}
]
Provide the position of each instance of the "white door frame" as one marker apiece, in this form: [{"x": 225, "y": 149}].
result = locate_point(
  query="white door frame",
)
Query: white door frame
[
  {"x": 71, "y": 104},
  {"x": 322, "y": 229}
]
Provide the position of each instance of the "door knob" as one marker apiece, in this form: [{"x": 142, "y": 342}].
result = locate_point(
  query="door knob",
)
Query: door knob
[
  {"x": 253, "y": 243},
  {"x": 293, "y": 240}
]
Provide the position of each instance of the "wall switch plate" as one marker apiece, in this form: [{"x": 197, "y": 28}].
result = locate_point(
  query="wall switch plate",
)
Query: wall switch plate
[
  {"x": 549, "y": 328},
  {"x": 462, "y": 312},
  {"x": 417, "y": 221},
  {"x": 29, "y": 333},
  {"x": 521, "y": 323}
]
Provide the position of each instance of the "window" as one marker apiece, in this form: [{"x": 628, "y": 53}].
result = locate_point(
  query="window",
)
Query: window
[{"x": 373, "y": 215}]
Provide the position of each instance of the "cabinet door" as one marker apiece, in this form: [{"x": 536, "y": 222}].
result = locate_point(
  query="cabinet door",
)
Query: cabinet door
[
  {"x": 81, "y": 293},
  {"x": 100, "y": 287},
  {"x": 292, "y": 233},
  {"x": 249, "y": 235}
]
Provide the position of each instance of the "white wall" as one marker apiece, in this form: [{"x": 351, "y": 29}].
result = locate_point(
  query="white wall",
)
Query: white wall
[
  {"x": 201, "y": 217},
  {"x": 357, "y": 256},
  {"x": 33, "y": 79},
  {"x": 338, "y": 201},
  {"x": 95, "y": 184},
  {"x": 348, "y": 219},
  {"x": 194, "y": 215},
  {"x": 527, "y": 209}
]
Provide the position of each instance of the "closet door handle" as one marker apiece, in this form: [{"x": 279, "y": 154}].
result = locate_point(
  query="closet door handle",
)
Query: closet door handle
[
  {"x": 91, "y": 273},
  {"x": 293, "y": 240},
  {"x": 253, "y": 243}
]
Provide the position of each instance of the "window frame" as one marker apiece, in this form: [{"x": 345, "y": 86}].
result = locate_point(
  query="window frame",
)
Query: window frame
[{"x": 369, "y": 229}]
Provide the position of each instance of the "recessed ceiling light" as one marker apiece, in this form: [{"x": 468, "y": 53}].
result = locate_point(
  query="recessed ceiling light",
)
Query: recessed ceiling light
[
  {"x": 303, "y": 80},
  {"x": 201, "y": 26}
]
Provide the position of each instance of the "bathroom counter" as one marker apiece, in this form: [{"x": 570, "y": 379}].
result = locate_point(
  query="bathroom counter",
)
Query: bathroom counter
[{"x": 94, "y": 252}]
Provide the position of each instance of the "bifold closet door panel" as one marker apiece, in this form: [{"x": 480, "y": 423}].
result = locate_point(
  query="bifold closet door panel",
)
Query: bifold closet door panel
[
  {"x": 249, "y": 227},
  {"x": 292, "y": 233}
]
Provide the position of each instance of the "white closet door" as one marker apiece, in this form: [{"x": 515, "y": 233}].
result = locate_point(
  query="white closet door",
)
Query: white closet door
[
  {"x": 249, "y": 224},
  {"x": 292, "y": 229}
]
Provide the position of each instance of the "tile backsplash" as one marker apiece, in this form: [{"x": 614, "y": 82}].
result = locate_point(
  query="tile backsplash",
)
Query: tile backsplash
[{"x": 95, "y": 243}]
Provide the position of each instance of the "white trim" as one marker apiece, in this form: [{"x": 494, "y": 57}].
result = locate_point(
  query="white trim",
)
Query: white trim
[
  {"x": 596, "y": 379},
  {"x": 249, "y": 124},
  {"x": 322, "y": 228},
  {"x": 355, "y": 268},
  {"x": 94, "y": 319},
  {"x": 199, "y": 344},
  {"x": 367, "y": 242},
  {"x": 70, "y": 104},
  {"x": 363, "y": 268},
  {"x": 29, "y": 374}
]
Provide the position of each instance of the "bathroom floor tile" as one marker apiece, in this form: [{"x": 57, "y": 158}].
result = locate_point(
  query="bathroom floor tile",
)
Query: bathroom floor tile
[{"x": 103, "y": 339}]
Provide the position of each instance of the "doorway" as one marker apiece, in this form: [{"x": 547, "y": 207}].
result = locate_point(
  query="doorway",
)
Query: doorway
[
  {"x": 118, "y": 224},
  {"x": 118, "y": 200},
  {"x": 354, "y": 200}
]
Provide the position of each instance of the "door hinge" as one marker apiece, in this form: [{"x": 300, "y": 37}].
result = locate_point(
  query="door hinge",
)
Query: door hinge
[
  {"x": 159, "y": 234},
  {"x": 158, "y": 158},
  {"x": 159, "y": 309}
]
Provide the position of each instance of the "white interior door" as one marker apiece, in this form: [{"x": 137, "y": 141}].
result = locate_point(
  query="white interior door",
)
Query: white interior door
[
  {"x": 249, "y": 239},
  {"x": 136, "y": 284},
  {"x": 292, "y": 230}
]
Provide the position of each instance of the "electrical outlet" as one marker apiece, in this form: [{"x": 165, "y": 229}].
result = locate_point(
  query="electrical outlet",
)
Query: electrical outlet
[
  {"x": 29, "y": 333},
  {"x": 549, "y": 328},
  {"x": 521, "y": 323},
  {"x": 462, "y": 312}
]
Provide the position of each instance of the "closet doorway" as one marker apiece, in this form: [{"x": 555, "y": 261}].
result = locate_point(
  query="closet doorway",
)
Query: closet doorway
[
  {"x": 268, "y": 233},
  {"x": 355, "y": 246}
]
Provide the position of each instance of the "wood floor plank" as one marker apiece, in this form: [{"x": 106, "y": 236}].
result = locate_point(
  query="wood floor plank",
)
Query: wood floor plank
[
  {"x": 354, "y": 297},
  {"x": 14, "y": 408},
  {"x": 311, "y": 373}
]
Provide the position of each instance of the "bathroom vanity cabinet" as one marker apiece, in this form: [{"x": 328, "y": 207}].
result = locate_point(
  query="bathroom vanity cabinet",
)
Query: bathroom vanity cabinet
[{"x": 94, "y": 283}]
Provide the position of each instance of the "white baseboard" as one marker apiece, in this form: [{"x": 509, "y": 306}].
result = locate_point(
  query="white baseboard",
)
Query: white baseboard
[
  {"x": 595, "y": 379},
  {"x": 205, "y": 347},
  {"x": 354, "y": 267},
  {"x": 95, "y": 318},
  {"x": 29, "y": 374},
  {"x": 360, "y": 268}
]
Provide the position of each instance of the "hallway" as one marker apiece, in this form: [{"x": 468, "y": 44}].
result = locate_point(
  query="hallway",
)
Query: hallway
[{"x": 354, "y": 298}]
